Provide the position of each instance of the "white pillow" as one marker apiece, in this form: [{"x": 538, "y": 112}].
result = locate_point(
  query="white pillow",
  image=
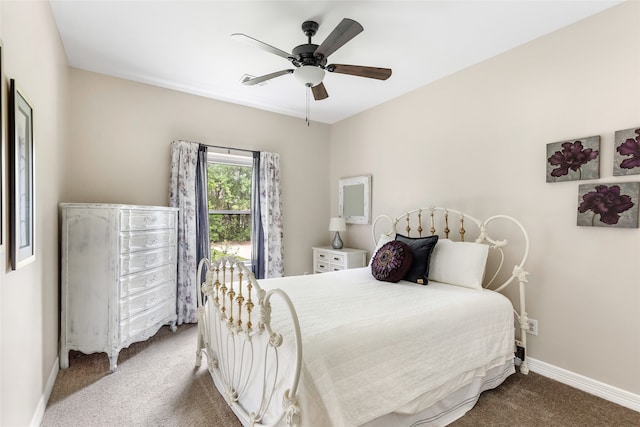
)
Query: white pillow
[
  {"x": 459, "y": 263},
  {"x": 381, "y": 241}
]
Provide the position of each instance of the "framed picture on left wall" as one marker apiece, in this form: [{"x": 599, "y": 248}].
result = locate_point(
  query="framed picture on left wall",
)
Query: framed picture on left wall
[
  {"x": 2, "y": 150},
  {"x": 21, "y": 179}
]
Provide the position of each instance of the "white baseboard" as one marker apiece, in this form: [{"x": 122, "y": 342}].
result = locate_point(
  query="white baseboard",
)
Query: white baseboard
[
  {"x": 44, "y": 399},
  {"x": 591, "y": 386}
]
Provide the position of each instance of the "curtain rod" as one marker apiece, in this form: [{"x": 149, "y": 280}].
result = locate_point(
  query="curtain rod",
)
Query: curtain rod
[{"x": 230, "y": 148}]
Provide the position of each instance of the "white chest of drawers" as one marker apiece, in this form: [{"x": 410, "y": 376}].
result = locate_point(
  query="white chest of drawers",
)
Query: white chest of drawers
[
  {"x": 118, "y": 276},
  {"x": 325, "y": 258}
]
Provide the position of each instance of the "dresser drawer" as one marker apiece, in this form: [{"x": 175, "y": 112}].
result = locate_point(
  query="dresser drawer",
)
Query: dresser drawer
[
  {"x": 141, "y": 301},
  {"x": 144, "y": 260},
  {"x": 138, "y": 282},
  {"x": 138, "y": 324},
  {"x": 147, "y": 220},
  {"x": 131, "y": 241}
]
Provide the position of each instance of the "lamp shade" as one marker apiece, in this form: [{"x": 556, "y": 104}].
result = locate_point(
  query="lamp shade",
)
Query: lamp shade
[
  {"x": 337, "y": 224},
  {"x": 309, "y": 75}
]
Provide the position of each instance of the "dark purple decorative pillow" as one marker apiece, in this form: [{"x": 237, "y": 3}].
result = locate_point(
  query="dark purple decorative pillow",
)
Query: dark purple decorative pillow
[
  {"x": 421, "y": 248},
  {"x": 392, "y": 261}
]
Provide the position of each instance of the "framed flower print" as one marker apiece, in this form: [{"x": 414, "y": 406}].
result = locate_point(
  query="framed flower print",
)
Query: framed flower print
[
  {"x": 626, "y": 157},
  {"x": 609, "y": 205},
  {"x": 572, "y": 160}
]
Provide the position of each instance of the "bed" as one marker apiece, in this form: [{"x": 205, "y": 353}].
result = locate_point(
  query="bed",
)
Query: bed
[{"x": 363, "y": 347}]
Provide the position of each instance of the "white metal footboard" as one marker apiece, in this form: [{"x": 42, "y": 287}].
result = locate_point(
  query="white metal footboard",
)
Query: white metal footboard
[
  {"x": 436, "y": 220},
  {"x": 247, "y": 360}
]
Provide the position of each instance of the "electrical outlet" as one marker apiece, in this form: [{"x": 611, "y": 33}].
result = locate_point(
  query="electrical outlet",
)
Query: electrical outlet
[{"x": 533, "y": 327}]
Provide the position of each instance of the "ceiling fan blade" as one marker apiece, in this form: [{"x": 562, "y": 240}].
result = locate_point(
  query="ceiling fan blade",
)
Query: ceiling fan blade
[
  {"x": 256, "y": 80},
  {"x": 319, "y": 92},
  {"x": 361, "y": 71},
  {"x": 261, "y": 45},
  {"x": 345, "y": 31}
]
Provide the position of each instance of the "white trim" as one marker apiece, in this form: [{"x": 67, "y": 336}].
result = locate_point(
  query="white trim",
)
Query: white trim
[
  {"x": 591, "y": 386},
  {"x": 44, "y": 399}
]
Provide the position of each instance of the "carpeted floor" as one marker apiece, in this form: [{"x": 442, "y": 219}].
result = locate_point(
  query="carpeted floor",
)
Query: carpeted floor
[{"x": 156, "y": 384}]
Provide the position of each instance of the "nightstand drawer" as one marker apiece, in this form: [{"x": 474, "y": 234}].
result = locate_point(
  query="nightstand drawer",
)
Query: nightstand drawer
[
  {"x": 337, "y": 259},
  {"x": 323, "y": 267},
  {"x": 333, "y": 258},
  {"x": 320, "y": 267}
]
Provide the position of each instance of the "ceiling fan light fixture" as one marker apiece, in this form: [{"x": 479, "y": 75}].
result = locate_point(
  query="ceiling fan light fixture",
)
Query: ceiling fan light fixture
[{"x": 309, "y": 75}]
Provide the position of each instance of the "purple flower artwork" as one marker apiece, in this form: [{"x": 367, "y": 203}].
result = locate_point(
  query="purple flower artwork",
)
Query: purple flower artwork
[
  {"x": 626, "y": 158},
  {"x": 614, "y": 205},
  {"x": 573, "y": 160}
]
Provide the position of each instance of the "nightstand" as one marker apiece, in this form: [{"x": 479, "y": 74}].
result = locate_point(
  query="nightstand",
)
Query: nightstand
[{"x": 325, "y": 258}]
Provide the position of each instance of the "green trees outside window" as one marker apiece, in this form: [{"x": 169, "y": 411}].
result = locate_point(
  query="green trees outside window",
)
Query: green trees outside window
[{"x": 229, "y": 198}]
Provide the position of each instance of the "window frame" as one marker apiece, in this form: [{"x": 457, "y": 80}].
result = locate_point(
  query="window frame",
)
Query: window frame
[{"x": 243, "y": 160}]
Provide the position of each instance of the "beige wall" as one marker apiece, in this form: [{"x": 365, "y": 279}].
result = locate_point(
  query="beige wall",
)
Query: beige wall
[
  {"x": 120, "y": 137},
  {"x": 116, "y": 149},
  {"x": 476, "y": 141},
  {"x": 33, "y": 56}
]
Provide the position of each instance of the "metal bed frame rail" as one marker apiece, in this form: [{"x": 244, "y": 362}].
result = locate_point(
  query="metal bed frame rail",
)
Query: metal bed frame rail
[{"x": 239, "y": 352}]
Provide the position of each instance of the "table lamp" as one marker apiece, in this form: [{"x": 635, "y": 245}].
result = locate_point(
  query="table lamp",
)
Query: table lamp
[{"x": 337, "y": 225}]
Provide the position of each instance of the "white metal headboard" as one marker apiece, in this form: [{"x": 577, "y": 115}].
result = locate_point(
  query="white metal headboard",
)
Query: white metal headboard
[{"x": 416, "y": 222}]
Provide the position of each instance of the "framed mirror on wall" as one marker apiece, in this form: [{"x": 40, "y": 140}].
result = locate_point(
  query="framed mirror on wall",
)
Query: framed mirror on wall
[{"x": 354, "y": 199}]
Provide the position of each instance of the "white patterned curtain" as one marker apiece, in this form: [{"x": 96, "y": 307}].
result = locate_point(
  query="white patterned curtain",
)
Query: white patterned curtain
[
  {"x": 182, "y": 188},
  {"x": 271, "y": 214}
]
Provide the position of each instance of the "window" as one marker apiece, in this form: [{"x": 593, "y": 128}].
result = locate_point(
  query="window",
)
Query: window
[{"x": 229, "y": 201}]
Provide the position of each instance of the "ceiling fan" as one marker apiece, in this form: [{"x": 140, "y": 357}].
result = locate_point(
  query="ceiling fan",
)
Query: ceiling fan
[{"x": 310, "y": 59}]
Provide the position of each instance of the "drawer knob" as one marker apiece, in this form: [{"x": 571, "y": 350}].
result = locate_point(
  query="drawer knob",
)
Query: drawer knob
[{"x": 150, "y": 219}]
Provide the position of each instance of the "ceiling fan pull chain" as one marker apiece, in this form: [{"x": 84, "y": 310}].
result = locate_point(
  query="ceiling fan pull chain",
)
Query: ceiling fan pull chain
[{"x": 308, "y": 105}]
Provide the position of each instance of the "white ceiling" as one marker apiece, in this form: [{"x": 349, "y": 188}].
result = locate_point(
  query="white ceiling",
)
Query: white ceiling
[{"x": 186, "y": 45}]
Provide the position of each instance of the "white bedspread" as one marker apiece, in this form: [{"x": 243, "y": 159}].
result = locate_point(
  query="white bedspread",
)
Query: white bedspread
[{"x": 371, "y": 348}]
